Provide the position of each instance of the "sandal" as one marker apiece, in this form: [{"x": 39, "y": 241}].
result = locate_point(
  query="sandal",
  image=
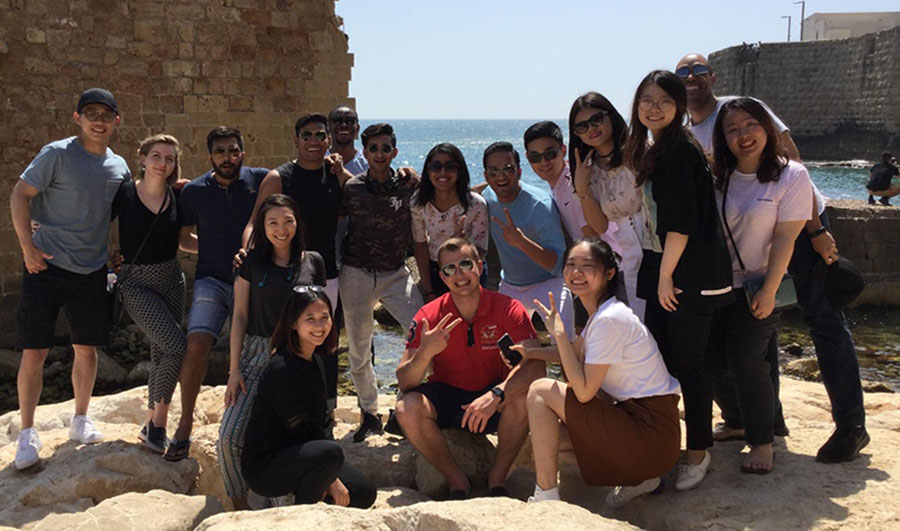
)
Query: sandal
[{"x": 178, "y": 450}]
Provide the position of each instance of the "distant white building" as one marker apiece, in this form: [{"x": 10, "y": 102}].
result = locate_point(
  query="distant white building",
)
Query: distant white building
[{"x": 829, "y": 26}]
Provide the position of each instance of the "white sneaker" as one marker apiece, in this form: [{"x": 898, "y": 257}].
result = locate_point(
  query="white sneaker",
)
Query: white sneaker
[
  {"x": 28, "y": 448},
  {"x": 84, "y": 431},
  {"x": 621, "y": 496},
  {"x": 689, "y": 476},
  {"x": 541, "y": 495}
]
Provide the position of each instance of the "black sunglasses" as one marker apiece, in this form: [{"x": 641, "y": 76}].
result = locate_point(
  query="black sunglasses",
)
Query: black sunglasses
[
  {"x": 594, "y": 121},
  {"x": 437, "y": 166},
  {"x": 320, "y": 135},
  {"x": 310, "y": 288},
  {"x": 344, "y": 120},
  {"x": 698, "y": 70},
  {"x": 233, "y": 151},
  {"x": 385, "y": 148},
  {"x": 534, "y": 157},
  {"x": 465, "y": 265}
]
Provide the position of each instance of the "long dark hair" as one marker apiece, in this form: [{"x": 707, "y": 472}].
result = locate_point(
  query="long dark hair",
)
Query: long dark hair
[
  {"x": 603, "y": 254},
  {"x": 260, "y": 245},
  {"x": 595, "y": 100},
  {"x": 771, "y": 161},
  {"x": 426, "y": 188},
  {"x": 641, "y": 160},
  {"x": 285, "y": 338}
]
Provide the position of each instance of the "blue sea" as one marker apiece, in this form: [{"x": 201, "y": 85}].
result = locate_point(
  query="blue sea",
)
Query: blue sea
[{"x": 416, "y": 137}]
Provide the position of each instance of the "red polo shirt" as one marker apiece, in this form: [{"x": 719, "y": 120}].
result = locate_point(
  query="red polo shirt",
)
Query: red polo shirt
[{"x": 477, "y": 365}]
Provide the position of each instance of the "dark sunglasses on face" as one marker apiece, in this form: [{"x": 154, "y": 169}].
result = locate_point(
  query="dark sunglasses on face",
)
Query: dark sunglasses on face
[
  {"x": 306, "y": 289},
  {"x": 594, "y": 121},
  {"x": 437, "y": 166},
  {"x": 509, "y": 171},
  {"x": 232, "y": 151},
  {"x": 344, "y": 120},
  {"x": 99, "y": 116},
  {"x": 320, "y": 135},
  {"x": 385, "y": 148},
  {"x": 698, "y": 70},
  {"x": 465, "y": 265},
  {"x": 534, "y": 157}
]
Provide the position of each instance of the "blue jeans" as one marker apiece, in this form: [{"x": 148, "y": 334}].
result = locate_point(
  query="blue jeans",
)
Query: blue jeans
[{"x": 212, "y": 304}]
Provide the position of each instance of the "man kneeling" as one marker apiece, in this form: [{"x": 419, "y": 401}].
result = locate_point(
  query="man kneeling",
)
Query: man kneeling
[{"x": 470, "y": 386}]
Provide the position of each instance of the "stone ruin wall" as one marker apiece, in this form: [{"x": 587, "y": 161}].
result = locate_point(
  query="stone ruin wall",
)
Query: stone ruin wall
[
  {"x": 841, "y": 98},
  {"x": 175, "y": 66}
]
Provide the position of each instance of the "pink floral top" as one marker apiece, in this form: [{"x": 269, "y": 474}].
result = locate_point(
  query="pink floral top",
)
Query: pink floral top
[{"x": 435, "y": 227}]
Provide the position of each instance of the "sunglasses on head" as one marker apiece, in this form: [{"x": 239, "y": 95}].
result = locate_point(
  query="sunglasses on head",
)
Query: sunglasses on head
[
  {"x": 534, "y": 157},
  {"x": 344, "y": 120},
  {"x": 594, "y": 121},
  {"x": 437, "y": 166},
  {"x": 310, "y": 288},
  {"x": 465, "y": 265},
  {"x": 233, "y": 151},
  {"x": 320, "y": 135},
  {"x": 385, "y": 148},
  {"x": 698, "y": 70}
]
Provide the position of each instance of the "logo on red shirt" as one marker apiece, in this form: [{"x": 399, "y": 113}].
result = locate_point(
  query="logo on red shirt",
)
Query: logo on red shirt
[{"x": 489, "y": 334}]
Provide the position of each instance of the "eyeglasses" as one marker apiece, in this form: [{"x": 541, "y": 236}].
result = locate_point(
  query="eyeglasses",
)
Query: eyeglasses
[
  {"x": 385, "y": 148},
  {"x": 320, "y": 135},
  {"x": 465, "y": 265},
  {"x": 99, "y": 116},
  {"x": 437, "y": 166},
  {"x": 232, "y": 151},
  {"x": 697, "y": 70},
  {"x": 344, "y": 120},
  {"x": 664, "y": 105},
  {"x": 534, "y": 157},
  {"x": 594, "y": 121},
  {"x": 509, "y": 171},
  {"x": 310, "y": 288}
]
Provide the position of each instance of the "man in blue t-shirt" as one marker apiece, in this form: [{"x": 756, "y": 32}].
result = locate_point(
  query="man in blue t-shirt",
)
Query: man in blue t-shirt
[
  {"x": 68, "y": 190},
  {"x": 215, "y": 208},
  {"x": 526, "y": 230}
]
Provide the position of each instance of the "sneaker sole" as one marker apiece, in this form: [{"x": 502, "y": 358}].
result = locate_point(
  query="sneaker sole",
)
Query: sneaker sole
[{"x": 150, "y": 445}]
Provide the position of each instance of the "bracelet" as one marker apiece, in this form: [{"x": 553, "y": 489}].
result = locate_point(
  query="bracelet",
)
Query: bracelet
[{"x": 818, "y": 232}]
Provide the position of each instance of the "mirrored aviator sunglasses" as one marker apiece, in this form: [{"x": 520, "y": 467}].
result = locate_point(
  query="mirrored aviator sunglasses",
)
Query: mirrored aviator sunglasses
[
  {"x": 312, "y": 288},
  {"x": 465, "y": 265},
  {"x": 698, "y": 70}
]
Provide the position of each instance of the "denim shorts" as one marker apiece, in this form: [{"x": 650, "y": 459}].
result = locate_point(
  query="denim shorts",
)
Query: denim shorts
[{"x": 212, "y": 304}]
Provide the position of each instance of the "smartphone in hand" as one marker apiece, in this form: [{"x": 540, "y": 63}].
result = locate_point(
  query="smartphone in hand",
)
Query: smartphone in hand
[{"x": 513, "y": 357}]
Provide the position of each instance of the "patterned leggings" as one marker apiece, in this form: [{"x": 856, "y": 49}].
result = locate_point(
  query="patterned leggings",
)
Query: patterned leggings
[
  {"x": 154, "y": 297},
  {"x": 254, "y": 358}
]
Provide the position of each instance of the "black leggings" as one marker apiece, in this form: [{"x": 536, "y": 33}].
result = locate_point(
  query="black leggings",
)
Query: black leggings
[{"x": 307, "y": 470}]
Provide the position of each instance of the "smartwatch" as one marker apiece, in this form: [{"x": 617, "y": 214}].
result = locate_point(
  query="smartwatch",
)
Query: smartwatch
[{"x": 496, "y": 391}]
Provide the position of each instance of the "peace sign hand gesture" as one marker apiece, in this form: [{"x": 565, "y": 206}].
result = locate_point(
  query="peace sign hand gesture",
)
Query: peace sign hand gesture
[
  {"x": 511, "y": 233},
  {"x": 552, "y": 319},
  {"x": 460, "y": 226},
  {"x": 435, "y": 340},
  {"x": 582, "y": 175}
]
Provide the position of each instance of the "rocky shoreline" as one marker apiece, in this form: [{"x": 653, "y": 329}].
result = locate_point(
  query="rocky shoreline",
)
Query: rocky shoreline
[{"x": 119, "y": 485}]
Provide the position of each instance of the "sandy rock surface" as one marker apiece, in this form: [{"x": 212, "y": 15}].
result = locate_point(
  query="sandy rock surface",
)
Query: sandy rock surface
[
  {"x": 476, "y": 514},
  {"x": 474, "y": 452}
]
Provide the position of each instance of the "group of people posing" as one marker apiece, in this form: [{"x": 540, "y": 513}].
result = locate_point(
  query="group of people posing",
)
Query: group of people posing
[{"x": 682, "y": 226}]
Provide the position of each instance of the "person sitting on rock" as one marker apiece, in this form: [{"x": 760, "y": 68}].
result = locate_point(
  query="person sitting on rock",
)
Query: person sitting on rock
[
  {"x": 277, "y": 262},
  {"x": 880, "y": 179},
  {"x": 619, "y": 409},
  {"x": 286, "y": 450},
  {"x": 470, "y": 387}
]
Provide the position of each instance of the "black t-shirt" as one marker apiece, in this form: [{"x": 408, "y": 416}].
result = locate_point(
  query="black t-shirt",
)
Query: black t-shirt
[
  {"x": 289, "y": 409},
  {"x": 685, "y": 199},
  {"x": 318, "y": 195},
  {"x": 270, "y": 286},
  {"x": 881, "y": 175},
  {"x": 135, "y": 220}
]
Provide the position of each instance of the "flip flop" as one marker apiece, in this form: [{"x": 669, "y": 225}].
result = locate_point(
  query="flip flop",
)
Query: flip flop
[{"x": 178, "y": 450}]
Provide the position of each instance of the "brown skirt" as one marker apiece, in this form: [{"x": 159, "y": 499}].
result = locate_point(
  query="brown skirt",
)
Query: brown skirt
[{"x": 624, "y": 443}]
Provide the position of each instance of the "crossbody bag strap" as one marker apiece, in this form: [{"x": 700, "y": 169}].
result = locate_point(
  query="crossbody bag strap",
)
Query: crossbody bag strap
[
  {"x": 727, "y": 228},
  {"x": 169, "y": 197}
]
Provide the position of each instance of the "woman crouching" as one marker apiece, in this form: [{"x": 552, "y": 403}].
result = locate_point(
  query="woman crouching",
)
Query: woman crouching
[
  {"x": 285, "y": 448},
  {"x": 620, "y": 406}
]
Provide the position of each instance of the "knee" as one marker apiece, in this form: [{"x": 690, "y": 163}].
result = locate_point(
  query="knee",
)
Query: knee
[
  {"x": 83, "y": 352},
  {"x": 537, "y": 392},
  {"x": 411, "y": 410},
  {"x": 330, "y": 456},
  {"x": 32, "y": 358}
]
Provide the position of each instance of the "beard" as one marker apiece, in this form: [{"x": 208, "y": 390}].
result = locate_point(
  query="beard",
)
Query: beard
[{"x": 228, "y": 170}]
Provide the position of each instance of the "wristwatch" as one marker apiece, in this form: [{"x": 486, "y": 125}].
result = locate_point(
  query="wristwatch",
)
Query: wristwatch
[
  {"x": 496, "y": 391},
  {"x": 818, "y": 232}
]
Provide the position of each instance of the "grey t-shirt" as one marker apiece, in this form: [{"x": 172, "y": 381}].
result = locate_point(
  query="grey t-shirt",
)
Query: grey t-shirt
[
  {"x": 74, "y": 204},
  {"x": 703, "y": 131}
]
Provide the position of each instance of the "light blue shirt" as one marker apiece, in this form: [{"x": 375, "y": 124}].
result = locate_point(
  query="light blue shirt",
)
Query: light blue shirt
[
  {"x": 532, "y": 211},
  {"x": 73, "y": 207}
]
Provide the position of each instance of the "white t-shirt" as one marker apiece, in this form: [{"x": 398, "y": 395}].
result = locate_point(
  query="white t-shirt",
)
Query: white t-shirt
[
  {"x": 435, "y": 227},
  {"x": 616, "y": 337},
  {"x": 754, "y": 208},
  {"x": 703, "y": 131}
]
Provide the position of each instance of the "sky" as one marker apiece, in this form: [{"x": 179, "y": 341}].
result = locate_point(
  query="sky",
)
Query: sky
[{"x": 530, "y": 59}]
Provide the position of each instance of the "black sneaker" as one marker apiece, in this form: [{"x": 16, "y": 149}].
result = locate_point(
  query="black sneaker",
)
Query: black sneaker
[
  {"x": 843, "y": 445},
  {"x": 369, "y": 423},
  {"x": 871, "y": 200},
  {"x": 886, "y": 201},
  {"x": 392, "y": 426},
  {"x": 154, "y": 437}
]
